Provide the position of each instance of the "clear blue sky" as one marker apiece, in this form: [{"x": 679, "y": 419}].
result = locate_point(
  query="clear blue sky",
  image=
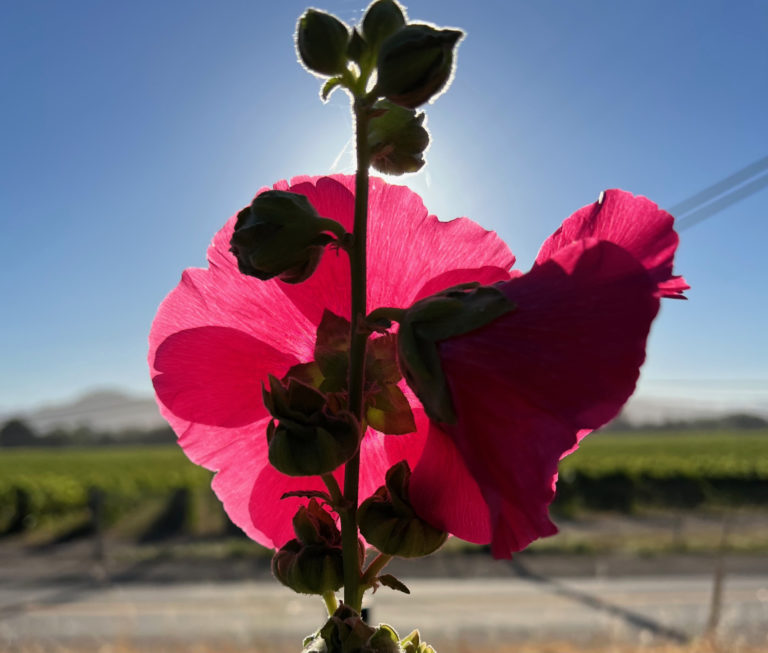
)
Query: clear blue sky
[{"x": 131, "y": 131}]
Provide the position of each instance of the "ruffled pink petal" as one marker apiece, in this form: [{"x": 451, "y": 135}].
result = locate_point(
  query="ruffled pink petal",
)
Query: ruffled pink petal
[
  {"x": 632, "y": 222},
  {"x": 408, "y": 247},
  {"x": 527, "y": 385}
]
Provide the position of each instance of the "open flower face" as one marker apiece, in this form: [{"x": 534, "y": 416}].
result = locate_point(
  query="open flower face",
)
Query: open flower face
[
  {"x": 219, "y": 334},
  {"x": 528, "y": 386}
]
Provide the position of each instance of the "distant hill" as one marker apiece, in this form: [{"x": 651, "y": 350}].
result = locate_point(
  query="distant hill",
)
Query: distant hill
[
  {"x": 102, "y": 410},
  {"x": 115, "y": 411}
]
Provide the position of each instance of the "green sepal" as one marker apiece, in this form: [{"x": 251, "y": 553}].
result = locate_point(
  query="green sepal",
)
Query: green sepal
[
  {"x": 413, "y": 644},
  {"x": 447, "y": 314},
  {"x": 332, "y": 351},
  {"x": 388, "y": 580},
  {"x": 381, "y": 360},
  {"x": 388, "y": 411}
]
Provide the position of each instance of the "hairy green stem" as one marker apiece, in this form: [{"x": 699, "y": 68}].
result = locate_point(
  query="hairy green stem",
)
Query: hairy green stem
[
  {"x": 377, "y": 564},
  {"x": 331, "y": 604},
  {"x": 353, "y": 595}
]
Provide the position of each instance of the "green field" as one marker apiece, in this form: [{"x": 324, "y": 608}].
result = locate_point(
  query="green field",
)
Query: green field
[{"x": 611, "y": 471}]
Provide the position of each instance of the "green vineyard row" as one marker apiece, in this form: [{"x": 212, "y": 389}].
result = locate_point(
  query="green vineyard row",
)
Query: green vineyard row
[{"x": 610, "y": 471}]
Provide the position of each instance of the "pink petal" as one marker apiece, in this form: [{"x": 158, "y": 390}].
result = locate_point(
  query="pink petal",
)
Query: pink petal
[
  {"x": 407, "y": 247},
  {"x": 444, "y": 492},
  {"x": 633, "y": 222},
  {"x": 527, "y": 385},
  {"x": 485, "y": 276},
  {"x": 214, "y": 375}
]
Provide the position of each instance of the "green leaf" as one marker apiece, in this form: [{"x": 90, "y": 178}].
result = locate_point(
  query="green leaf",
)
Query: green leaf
[
  {"x": 390, "y": 581},
  {"x": 329, "y": 87},
  {"x": 388, "y": 411}
]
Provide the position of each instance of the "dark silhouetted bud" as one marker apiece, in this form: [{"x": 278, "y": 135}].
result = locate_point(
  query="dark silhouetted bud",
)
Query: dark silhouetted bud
[
  {"x": 281, "y": 235},
  {"x": 415, "y": 63},
  {"x": 449, "y": 313},
  {"x": 346, "y": 632},
  {"x": 396, "y": 138},
  {"x": 382, "y": 19},
  {"x": 388, "y": 521},
  {"x": 306, "y": 438},
  {"x": 313, "y": 562},
  {"x": 322, "y": 42}
]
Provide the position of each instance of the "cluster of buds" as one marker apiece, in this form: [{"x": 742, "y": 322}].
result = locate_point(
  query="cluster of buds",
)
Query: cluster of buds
[{"x": 385, "y": 58}]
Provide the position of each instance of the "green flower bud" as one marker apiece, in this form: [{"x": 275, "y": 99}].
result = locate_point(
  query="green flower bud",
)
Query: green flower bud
[
  {"x": 415, "y": 63},
  {"x": 281, "y": 235},
  {"x": 306, "y": 438},
  {"x": 396, "y": 138},
  {"x": 413, "y": 644},
  {"x": 322, "y": 42},
  {"x": 382, "y": 19},
  {"x": 346, "y": 632},
  {"x": 313, "y": 562},
  {"x": 387, "y": 519},
  {"x": 444, "y": 315}
]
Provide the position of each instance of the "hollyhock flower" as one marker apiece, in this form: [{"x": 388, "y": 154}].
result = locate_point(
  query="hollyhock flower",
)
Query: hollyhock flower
[
  {"x": 219, "y": 334},
  {"x": 528, "y": 386}
]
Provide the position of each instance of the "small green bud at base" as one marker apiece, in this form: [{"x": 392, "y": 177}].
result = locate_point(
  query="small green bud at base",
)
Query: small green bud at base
[
  {"x": 313, "y": 562},
  {"x": 387, "y": 519},
  {"x": 415, "y": 64},
  {"x": 280, "y": 235},
  {"x": 346, "y": 632},
  {"x": 322, "y": 42}
]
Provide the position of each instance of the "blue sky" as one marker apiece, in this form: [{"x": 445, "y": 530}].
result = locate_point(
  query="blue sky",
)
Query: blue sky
[{"x": 131, "y": 131}]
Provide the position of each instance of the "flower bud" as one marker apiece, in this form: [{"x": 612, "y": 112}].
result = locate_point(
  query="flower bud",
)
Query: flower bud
[
  {"x": 413, "y": 644},
  {"x": 322, "y": 42},
  {"x": 387, "y": 519},
  {"x": 382, "y": 19},
  {"x": 346, "y": 632},
  {"x": 313, "y": 562},
  {"x": 415, "y": 63},
  {"x": 396, "y": 138},
  {"x": 280, "y": 235},
  {"x": 306, "y": 438},
  {"x": 449, "y": 313}
]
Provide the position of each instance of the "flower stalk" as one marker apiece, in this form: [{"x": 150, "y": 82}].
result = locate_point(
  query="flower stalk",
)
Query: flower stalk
[{"x": 358, "y": 340}]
